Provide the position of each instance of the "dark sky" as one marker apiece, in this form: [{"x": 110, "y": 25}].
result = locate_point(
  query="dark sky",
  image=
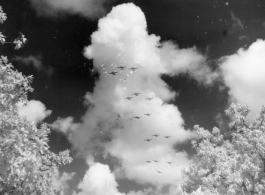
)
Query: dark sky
[{"x": 54, "y": 54}]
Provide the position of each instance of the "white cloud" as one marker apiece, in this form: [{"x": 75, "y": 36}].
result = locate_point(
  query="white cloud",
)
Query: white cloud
[
  {"x": 87, "y": 8},
  {"x": 108, "y": 125},
  {"x": 35, "y": 61},
  {"x": 64, "y": 124},
  {"x": 244, "y": 74},
  {"x": 35, "y": 111},
  {"x": 98, "y": 180}
]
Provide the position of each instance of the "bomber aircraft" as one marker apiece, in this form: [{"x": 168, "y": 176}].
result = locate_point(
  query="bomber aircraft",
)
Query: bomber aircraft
[
  {"x": 136, "y": 94},
  {"x": 113, "y": 72},
  {"x": 121, "y": 67},
  {"x": 149, "y": 99},
  {"x": 133, "y": 68},
  {"x": 128, "y": 98}
]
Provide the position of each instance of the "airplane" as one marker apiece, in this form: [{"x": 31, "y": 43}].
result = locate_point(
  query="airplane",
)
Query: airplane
[
  {"x": 121, "y": 67},
  {"x": 128, "y": 98},
  {"x": 148, "y": 140},
  {"x": 155, "y": 135},
  {"x": 167, "y": 136},
  {"x": 149, "y": 99},
  {"x": 136, "y": 94},
  {"x": 158, "y": 171},
  {"x": 137, "y": 117},
  {"x": 133, "y": 68},
  {"x": 148, "y": 161},
  {"x": 147, "y": 114},
  {"x": 156, "y": 161},
  {"x": 113, "y": 72},
  {"x": 169, "y": 162}
]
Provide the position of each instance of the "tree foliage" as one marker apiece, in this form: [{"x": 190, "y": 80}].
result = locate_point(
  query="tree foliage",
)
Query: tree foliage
[
  {"x": 233, "y": 165},
  {"x": 27, "y": 166}
]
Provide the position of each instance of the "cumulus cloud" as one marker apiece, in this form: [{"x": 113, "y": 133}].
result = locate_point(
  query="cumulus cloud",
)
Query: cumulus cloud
[
  {"x": 98, "y": 180},
  {"x": 88, "y": 8},
  {"x": 109, "y": 125},
  {"x": 244, "y": 74},
  {"x": 35, "y": 111}
]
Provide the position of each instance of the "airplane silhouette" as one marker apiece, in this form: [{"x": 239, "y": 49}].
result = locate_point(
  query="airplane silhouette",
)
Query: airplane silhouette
[
  {"x": 155, "y": 135},
  {"x": 113, "y": 72},
  {"x": 169, "y": 162},
  {"x": 136, "y": 94},
  {"x": 148, "y": 161},
  {"x": 133, "y": 68},
  {"x": 128, "y": 98},
  {"x": 167, "y": 136},
  {"x": 147, "y": 114},
  {"x": 121, "y": 67},
  {"x": 156, "y": 161},
  {"x": 149, "y": 99},
  {"x": 148, "y": 140},
  {"x": 137, "y": 117},
  {"x": 158, "y": 171}
]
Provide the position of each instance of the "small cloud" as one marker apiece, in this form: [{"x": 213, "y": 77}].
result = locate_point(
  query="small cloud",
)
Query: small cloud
[
  {"x": 91, "y": 9},
  {"x": 64, "y": 124},
  {"x": 34, "y": 61},
  {"x": 237, "y": 24},
  {"x": 35, "y": 111}
]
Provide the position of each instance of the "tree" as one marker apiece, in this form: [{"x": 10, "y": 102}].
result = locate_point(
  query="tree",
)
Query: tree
[
  {"x": 27, "y": 166},
  {"x": 233, "y": 164}
]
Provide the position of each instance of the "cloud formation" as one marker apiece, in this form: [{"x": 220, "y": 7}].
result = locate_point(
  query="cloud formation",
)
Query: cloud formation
[
  {"x": 88, "y": 8},
  {"x": 109, "y": 125},
  {"x": 244, "y": 74},
  {"x": 35, "y": 111},
  {"x": 98, "y": 180}
]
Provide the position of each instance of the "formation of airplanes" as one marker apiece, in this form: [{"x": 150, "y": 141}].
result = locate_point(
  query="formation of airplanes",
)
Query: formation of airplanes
[{"x": 138, "y": 117}]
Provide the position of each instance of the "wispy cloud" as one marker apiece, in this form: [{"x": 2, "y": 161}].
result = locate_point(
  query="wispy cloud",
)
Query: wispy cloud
[
  {"x": 238, "y": 27},
  {"x": 237, "y": 24},
  {"x": 88, "y": 8},
  {"x": 35, "y": 61},
  {"x": 244, "y": 74},
  {"x": 109, "y": 125}
]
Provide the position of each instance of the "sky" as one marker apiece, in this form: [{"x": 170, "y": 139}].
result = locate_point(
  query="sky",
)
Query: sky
[{"x": 129, "y": 132}]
